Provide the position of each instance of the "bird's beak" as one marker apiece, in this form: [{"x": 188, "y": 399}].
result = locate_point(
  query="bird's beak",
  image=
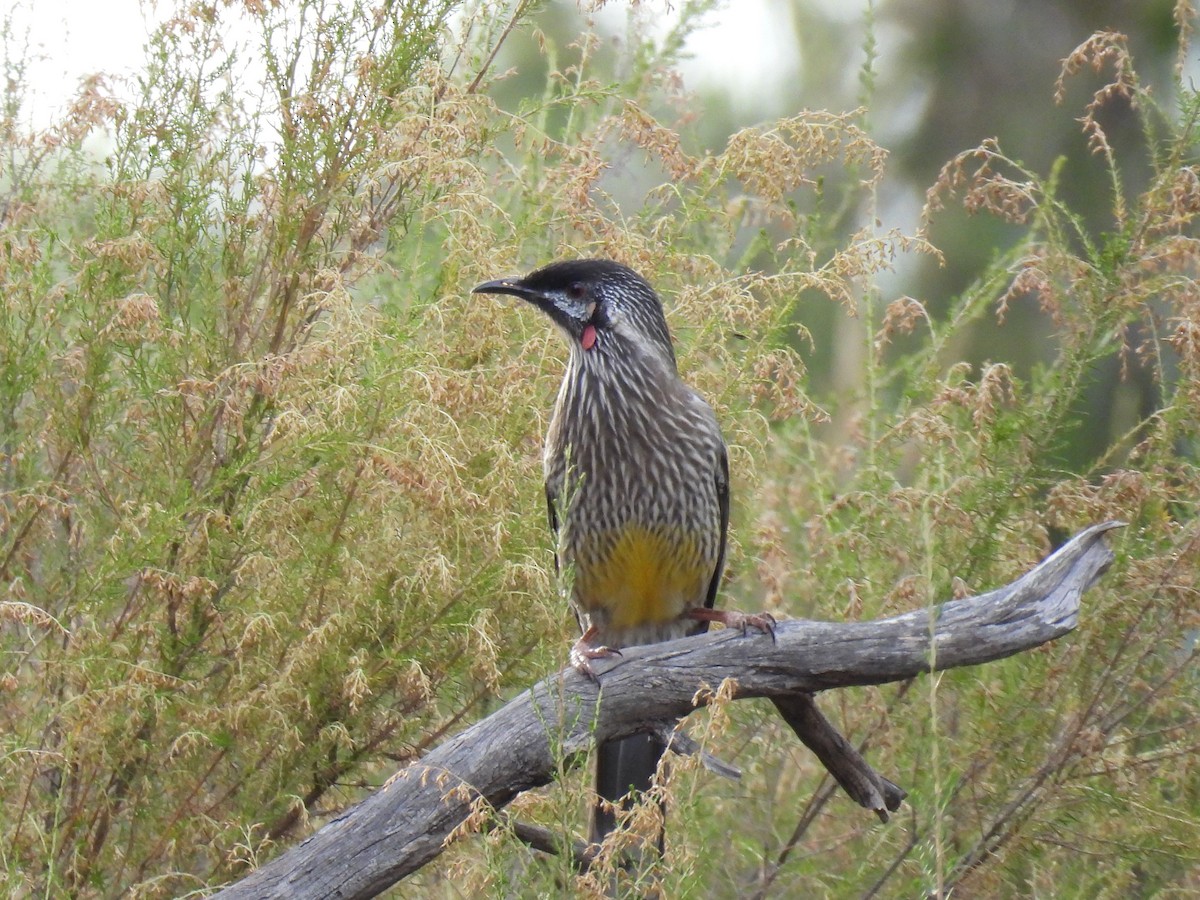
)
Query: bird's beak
[
  {"x": 511, "y": 286},
  {"x": 568, "y": 315}
]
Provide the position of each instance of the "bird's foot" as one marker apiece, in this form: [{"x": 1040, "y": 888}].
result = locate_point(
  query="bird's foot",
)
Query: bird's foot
[
  {"x": 764, "y": 622},
  {"x": 583, "y": 651}
]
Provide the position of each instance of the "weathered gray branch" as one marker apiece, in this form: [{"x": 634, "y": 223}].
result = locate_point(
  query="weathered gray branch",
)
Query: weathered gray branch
[
  {"x": 407, "y": 822},
  {"x": 865, "y": 786}
]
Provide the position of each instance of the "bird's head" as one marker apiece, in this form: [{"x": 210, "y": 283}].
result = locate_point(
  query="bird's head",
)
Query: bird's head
[{"x": 602, "y": 307}]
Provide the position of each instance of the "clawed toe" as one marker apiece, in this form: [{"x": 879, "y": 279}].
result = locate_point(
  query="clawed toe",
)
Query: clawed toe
[
  {"x": 582, "y": 654},
  {"x": 764, "y": 622}
]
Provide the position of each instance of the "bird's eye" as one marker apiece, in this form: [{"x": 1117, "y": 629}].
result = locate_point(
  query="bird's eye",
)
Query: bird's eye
[{"x": 576, "y": 290}]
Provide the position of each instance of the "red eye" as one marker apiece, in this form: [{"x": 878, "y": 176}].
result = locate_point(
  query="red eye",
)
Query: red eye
[{"x": 576, "y": 290}]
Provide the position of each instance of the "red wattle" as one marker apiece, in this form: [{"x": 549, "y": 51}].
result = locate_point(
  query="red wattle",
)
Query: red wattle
[{"x": 589, "y": 337}]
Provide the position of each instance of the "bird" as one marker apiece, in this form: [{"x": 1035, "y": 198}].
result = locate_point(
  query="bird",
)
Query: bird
[{"x": 637, "y": 489}]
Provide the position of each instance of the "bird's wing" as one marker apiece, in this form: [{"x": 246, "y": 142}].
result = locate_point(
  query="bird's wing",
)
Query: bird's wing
[
  {"x": 722, "y": 477},
  {"x": 552, "y": 516}
]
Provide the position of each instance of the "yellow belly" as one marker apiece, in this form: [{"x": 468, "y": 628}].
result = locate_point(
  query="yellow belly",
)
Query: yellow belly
[{"x": 644, "y": 576}]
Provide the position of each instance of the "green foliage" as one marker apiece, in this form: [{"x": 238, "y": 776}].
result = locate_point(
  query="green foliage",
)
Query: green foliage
[{"x": 270, "y": 515}]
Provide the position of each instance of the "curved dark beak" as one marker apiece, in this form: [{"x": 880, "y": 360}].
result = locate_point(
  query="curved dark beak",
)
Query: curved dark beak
[
  {"x": 511, "y": 286},
  {"x": 567, "y": 314}
]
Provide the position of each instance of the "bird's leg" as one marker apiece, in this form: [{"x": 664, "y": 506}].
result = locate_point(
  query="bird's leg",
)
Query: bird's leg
[
  {"x": 583, "y": 651},
  {"x": 764, "y": 622}
]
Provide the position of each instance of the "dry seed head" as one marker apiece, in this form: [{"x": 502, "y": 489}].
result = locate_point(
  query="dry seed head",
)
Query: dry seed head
[
  {"x": 901, "y": 317},
  {"x": 28, "y": 614},
  {"x": 485, "y": 650},
  {"x": 772, "y": 162},
  {"x": 1076, "y": 503},
  {"x": 1183, "y": 13},
  {"x": 909, "y": 592},
  {"x": 995, "y": 390},
  {"x": 639, "y": 127},
  {"x": 257, "y": 627},
  {"x": 773, "y": 560},
  {"x": 1101, "y": 49},
  {"x": 1186, "y": 341},
  {"x": 986, "y": 188},
  {"x": 1184, "y": 197},
  {"x": 778, "y": 379},
  {"x": 1032, "y": 280},
  {"x": 479, "y": 814},
  {"x": 188, "y": 743},
  {"x": 355, "y": 686}
]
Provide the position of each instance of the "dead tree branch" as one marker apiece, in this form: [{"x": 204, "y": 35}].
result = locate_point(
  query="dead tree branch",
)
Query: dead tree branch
[{"x": 409, "y": 821}]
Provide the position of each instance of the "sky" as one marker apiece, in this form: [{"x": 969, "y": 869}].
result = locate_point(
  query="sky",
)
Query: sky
[{"x": 70, "y": 39}]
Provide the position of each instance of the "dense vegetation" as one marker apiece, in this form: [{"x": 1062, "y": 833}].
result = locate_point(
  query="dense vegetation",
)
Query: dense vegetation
[{"x": 270, "y": 510}]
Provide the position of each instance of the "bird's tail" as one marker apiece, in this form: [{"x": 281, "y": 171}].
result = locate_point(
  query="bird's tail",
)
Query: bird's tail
[{"x": 623, "y": 765}]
